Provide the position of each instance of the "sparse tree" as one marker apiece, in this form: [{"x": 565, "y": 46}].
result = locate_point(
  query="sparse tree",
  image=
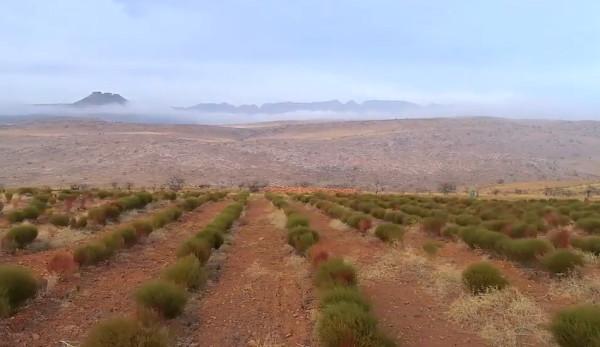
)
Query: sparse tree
[
  {"x": 114, "y": 185},
  {"x": 129, "y": 185},
  {"x": 175, "y": 183},
  {"x": 447, "y": 187}
]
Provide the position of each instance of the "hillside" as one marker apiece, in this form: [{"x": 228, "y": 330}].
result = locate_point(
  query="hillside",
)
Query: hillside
[{"x": 399, "y": 154}]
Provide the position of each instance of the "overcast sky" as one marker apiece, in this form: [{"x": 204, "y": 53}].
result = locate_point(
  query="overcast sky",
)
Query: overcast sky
[{"x": 542, "y": 54}]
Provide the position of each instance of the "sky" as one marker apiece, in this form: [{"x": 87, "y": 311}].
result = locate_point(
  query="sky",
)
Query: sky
[{"x": 529, "y": 57}]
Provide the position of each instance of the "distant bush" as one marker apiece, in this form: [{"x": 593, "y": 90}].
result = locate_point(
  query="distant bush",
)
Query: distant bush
[
  {"x": 91, "y": 253},
  {"x": 482, "y": 277},
  {"x": 467, "y": 220},
  {"x": 19, "y": 236},
  {"x": 587, "y": 244},
  {"x": 142, "y": 227},
  {"x": 31, "y": 212},
  {"x": 562, "y": 261},
  {"x": 390, "y": 232},
  {"x": 186, "y": 272},
  {"x": 589, "y": 224},
  {"x": 17, "y": 284},
  {"x": 125, "y": 332},
  {"x": 343, "y": 294},
  {"x": 577, "y": 326},
  {"x": 302, "y": 238},
  {"x": 482, "y": 238},
  {"x": 296, "y": 220},
  {"x": 523, "y": 230},
  {"x": 524, "y": 250},
  {"x": 395, "y": 217},
  {"x": 59, "y": 220},
  {"x": 359, "y": 221},
  {"x": 335, "y": 272},
  {"x": 165, "y": 298}
]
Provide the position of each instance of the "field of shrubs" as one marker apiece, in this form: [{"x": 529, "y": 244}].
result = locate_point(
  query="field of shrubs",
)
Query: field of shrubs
[{"x": 165, "y": 268}]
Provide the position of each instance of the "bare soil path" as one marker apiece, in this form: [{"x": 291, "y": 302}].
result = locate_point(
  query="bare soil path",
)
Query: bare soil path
[
  {"x": 263, "y": 295},
  {"x": 76, "y": 304},
  {"x": 405, "y": 311}
]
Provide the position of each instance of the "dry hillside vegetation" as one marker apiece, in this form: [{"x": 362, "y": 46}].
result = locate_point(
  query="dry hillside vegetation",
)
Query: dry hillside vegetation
[{"x": 396, "y": 154}]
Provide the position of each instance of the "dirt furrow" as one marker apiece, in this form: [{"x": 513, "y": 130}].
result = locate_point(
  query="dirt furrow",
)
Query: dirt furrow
[
  {"x": 405, "y": 311},
  {"x": 70, "y": 310},
  {"x": 263, "y": 294}
]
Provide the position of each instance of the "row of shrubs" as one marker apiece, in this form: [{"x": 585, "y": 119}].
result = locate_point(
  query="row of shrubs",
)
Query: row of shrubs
[
  {"x": 345, "y": 317},
  {"x": 299, "y": 234},
  {"x": 124, "y": 236},
  {"x": 357, "y": 220},
  {"x": 166, "y": 297},
  {"x": 111, "y": 211}
]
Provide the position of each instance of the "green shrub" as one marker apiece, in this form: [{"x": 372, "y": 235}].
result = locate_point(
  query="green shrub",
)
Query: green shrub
[
  {"x": 97, "y": 215},
  {"x": 335, "y": 272},
  {"x": 129, "y": 235},
  {"x": 431, "y": 247},
  {"x": 497, "y": 225},
  {"x": 467, "y": 220},
  {"x": 163, "y": 297},
  {"x": 214, "y": 237},
  {"x": 348, "y": 324},
  {"x": 577, "y": 326},
  {"x": 59, "y": 220},
  {"x": 15, "y": 216},
  {"x": 296, "y": 220},
  {"x": 562, "y": 261},
  {"x": 200, "y": 248},
  {"x": 90, "y": 253},
  {"x": 524, "y": 250},
  {"x": 17, "y": 284},
  {"x": 143, "y": 227},
  {"x": 482, "y": 238},
  {"x": 589, "y": 224},
  {"x": 20, "y": 236},
  {"x": 523, "y": 230},
  {"x": 482, "y": 277},
  {"x": 451, "y": 231},
  {"x": 302, "y": 238},
  {"x": 343, "y": 294},
  {"x": 190, "y": 204},
  {"x": 125, "y": 332},
  {"x": 433, "y": 225},
  {"x": 587, "y": 244},
  {"x": 186, "y": 272},
  {"x": 31, "y": 212},
  {"x": 389, "y": 232}
]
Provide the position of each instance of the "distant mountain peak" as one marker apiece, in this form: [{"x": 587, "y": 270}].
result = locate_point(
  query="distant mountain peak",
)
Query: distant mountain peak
[
  {"x": 101, "y": 99},
  {"x": 369, "y": 106}
]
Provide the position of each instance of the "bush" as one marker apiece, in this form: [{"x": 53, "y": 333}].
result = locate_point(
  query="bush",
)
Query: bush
[
  {"x": 19, "y": 236},
  {"x": 343, "y": 294},
  {"x": 125, "y": 332},
  {"x": 587, "y": 244},
  {"x": 59, "y": 220},
  {"x": 62, "y": 263},
  {"x": 198, "y": 247},
  {"x": 467, "y": 220},
  {"x": 482, "y": 277},
  {"x": 31, "y": 212},
  {"x": 78, "y": 223},
  {"x": 302, "y": 238},
  {"x": 577, "y": 326},
  {"x": 562, "y": 261},
  {"x": 90, "y": 254},
  {"x": 431, "y": 247},
  {"x": 389, "y": 232},
  {"x": 348, "y": 324},
  {"x": 186, "y": 272},
  {"x": 482, "y": 238},
  {"x": 129, "y": 235},
  {"x": 395, "y": 217},
  {"x": 17, "y": 284},
  {"x": 165, "y": 298},
  {"x": 15, "y": 216},
  {"x": 589, "y": 224},
  {"x": 524, "y": 250},
  {"x": 143, "y": 227},
  {"x": 335, "y": 272},
  {"x": 296, "y": 220},
  {"x": 97, "y": 215}
]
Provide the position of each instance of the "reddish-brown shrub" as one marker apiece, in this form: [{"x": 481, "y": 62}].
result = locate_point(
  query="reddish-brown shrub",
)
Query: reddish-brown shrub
[
  {"x": 62, "y": 264},
  {"x": 364, "y": 225},
  {"x": 318, "y": 255},
  {"x": 560, "y": 238}
]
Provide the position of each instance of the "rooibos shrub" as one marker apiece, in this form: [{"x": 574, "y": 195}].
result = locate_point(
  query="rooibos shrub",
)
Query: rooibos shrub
[
  {"x": 524, "y": 250},
  {"x": 20, "y": 236},
  {"x": 589, "y": 224},
  {"x": 389, "y": 232},
  {"x": 125, "y": 332},
  {"x": 17, "y": 284},
  {"x": 186, "y": 272},
  {"x": 335, "y": 272},
  {"x": 296, "y": 220},
  {"x": 15, "y": 216},
  {"x": 91, "y": 253},
  {"x": 562, "y": 261},
  {"x": 59, "y": 220},
  {"x": 200, "y": 248},
  {"x": 577, "y": 326},
  {"x": 163, "y": 297},
  {"x": 587, "y": 244},
  {"x": 343, "y": 294},
  {"x": 482, "y": 277},
  {"x": 302, "y": 238}
]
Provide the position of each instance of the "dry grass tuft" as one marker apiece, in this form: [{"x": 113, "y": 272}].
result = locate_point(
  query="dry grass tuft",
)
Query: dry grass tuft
[
  {"x": 581, "y": 290},
  {"x": 503, "y": 317},
  {"x": 338, "y": 225},
  {"x": 268, "y": 341},
  {"x": 278, "y": 219}
]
